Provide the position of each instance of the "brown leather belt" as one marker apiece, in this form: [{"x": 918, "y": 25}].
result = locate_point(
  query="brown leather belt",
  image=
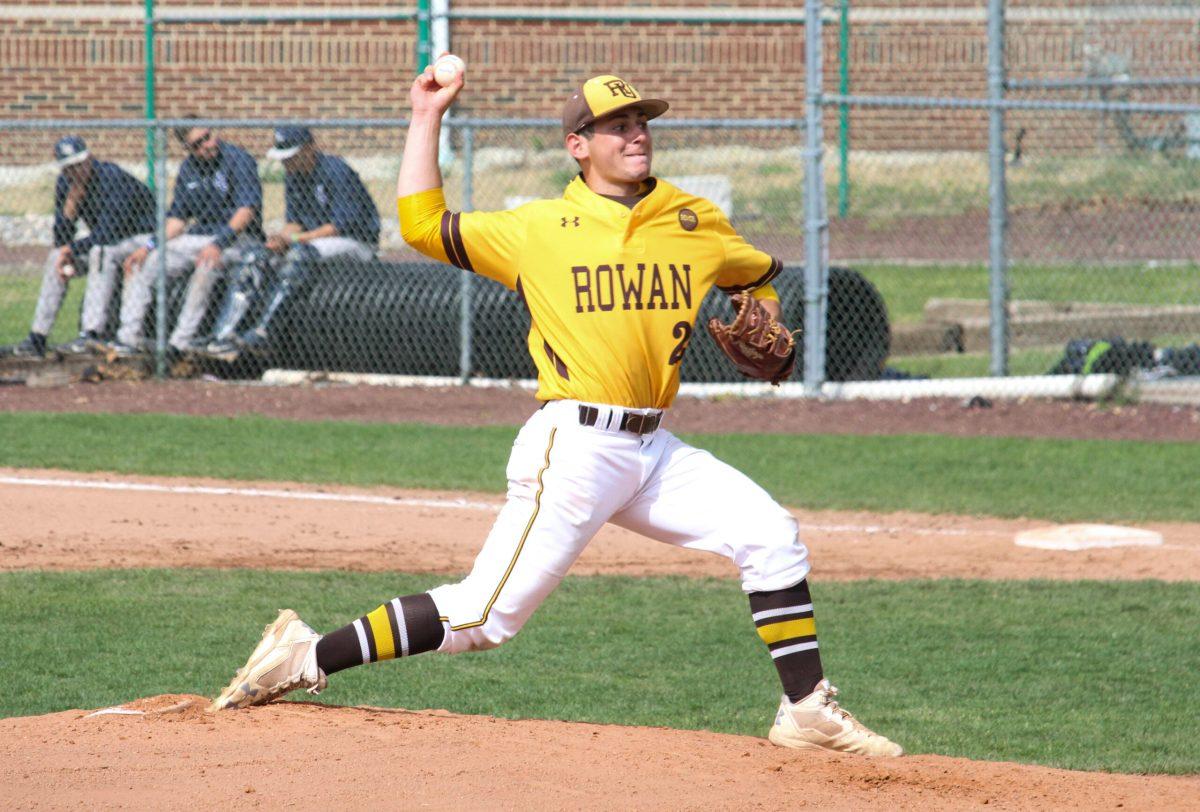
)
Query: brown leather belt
[{"x": 630, "y": 421}]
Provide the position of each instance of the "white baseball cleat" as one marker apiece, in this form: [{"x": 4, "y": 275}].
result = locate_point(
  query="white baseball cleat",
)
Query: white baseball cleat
[
  {"x": 818, "y": 723},
  {"x": 285, "y": 659}
]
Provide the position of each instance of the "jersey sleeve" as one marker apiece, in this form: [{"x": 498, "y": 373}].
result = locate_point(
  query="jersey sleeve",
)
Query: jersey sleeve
[
  {"x": 183, "y": 201},
  {"x": 348, "y": 210},
  {"x": 745, "y": 267},
  {"x": 486, "y": 243},
  {"x": 64, "y": 227},
  {"x": 247, "y": 188},
  {"x": 766, "y": 293}
]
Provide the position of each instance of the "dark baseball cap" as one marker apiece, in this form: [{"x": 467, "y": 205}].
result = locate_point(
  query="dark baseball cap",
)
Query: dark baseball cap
[
  {"x": 288, "y": 141},
  {"x": 604, "y": 95},
  {"x": 70, "y": 149}
]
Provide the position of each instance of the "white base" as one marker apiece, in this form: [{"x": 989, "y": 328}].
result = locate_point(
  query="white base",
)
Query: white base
[
  {"x": 1074, "y": 537},
  {"x": 118, "y": 711}
]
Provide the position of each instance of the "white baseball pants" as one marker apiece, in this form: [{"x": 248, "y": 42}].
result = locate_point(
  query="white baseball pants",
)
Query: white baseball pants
[
  {"x": 565, "y": 480},
  {"x": 103, "y": 265},
  {"x": 181, "y": 260}
]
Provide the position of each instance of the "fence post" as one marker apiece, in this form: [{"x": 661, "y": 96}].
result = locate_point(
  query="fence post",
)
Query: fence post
[
  {"x": 466, "y": 279},
  {"x": 148, "y": 59},
  {"x": 439, "y": 41},
  {"x": 815, "y": 273},
  {"x": 160, "y": 239},
  {"x": 997, "y": 193},
  {"x": 423, "y": 34},
  {"x": 843, "y": 109}
]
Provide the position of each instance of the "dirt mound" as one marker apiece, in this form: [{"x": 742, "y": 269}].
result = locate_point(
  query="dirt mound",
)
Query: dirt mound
[{"x": 178, "y": 755}]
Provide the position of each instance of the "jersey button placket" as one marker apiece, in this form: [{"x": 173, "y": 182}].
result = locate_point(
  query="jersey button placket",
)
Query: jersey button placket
[{"x": 634, "y": 242}]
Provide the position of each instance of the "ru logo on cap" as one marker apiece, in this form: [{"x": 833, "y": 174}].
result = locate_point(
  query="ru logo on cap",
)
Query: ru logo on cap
[{"x": 619, "y": 88}]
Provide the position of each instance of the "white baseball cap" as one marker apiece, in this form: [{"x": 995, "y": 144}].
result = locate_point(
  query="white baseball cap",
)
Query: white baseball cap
[
  {"x": 288, "y": 141},
  {"x": 70, "y": 149}
]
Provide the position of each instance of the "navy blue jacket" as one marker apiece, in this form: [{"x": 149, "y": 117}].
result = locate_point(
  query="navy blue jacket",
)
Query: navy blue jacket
[
  {"x": 116, "y": 206},
  {"x": 209, "y": 192},
  {"x": 332, "y": 193}
]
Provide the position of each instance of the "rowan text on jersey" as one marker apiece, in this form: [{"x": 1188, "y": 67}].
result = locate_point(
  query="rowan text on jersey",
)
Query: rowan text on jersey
[{"x": 603, "y": 280}]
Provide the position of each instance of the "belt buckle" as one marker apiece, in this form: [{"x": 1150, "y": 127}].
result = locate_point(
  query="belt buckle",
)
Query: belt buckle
[{"x": 640, "y": 423}]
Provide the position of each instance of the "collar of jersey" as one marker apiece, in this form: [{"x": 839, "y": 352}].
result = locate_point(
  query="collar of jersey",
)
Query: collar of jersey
[{"x": 580, "y": 193}]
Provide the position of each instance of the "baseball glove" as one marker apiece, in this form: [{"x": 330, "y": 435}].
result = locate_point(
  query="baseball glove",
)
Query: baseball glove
[{"x": 759, "y": 346}]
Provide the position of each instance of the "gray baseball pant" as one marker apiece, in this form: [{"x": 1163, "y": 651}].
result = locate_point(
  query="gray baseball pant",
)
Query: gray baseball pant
[
  {"x": 103, "y": 265},
  {"x": 289, "y": 272},
  {"x": 181, "y": 260}
]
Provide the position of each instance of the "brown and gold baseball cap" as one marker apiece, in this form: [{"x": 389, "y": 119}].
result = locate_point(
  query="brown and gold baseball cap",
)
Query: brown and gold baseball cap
[{"x": 602, "y": 95}]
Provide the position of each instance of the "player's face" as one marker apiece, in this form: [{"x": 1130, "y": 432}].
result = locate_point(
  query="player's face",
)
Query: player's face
[
  {"x": 80, "y": 172},
  {"x": 202, "y": 143},
  {"x": 620, "y": 151}
]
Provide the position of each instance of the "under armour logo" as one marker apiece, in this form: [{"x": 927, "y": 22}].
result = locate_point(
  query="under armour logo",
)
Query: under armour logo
[
  {"x": 619, "y": 88},
  {"x": 572, "y": 220}
]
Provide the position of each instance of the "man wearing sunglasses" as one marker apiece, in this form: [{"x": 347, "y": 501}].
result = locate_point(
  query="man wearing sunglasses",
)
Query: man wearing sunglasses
[
  {"x": 118, "y": 210},
  {"x": 215, "y": 219}
]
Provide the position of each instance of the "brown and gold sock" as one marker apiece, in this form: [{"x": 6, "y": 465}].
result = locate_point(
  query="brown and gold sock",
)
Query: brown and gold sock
[
  {"x": 784, "y": 619},
  {"x": 399, "y": 628}
]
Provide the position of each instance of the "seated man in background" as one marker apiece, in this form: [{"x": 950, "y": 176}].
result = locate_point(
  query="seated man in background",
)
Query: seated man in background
[
  {"x": 329, "y": 217},
  {"x": 118, "y": 210},
  {"x": 214, "y": 220}
]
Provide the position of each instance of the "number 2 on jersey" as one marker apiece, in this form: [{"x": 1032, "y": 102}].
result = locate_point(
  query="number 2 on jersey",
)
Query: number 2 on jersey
[{"x": 683, "y": 331}]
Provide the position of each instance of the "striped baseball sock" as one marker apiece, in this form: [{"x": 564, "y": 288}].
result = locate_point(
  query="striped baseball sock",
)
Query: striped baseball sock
[
  {"x": 784, "y": 619},
  {"x": 399, "y": 628}
]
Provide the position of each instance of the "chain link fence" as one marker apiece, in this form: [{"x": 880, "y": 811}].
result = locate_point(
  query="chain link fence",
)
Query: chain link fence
[
  {"x": 1066, "y": 244},
  {"x": 1090, "y": 190},
  {"x": 392, "y": 313}
]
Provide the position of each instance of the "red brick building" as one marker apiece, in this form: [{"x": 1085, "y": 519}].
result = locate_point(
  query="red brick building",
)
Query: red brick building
[{"x": 85, "y": 59}]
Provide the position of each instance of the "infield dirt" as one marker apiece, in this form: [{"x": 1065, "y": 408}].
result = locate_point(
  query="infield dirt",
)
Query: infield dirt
[
  {"x": 318, "y": 756},
  {"x": 301, "y": 754}
]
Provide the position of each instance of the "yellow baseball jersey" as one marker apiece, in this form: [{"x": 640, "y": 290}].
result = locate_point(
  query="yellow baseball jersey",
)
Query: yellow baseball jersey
[{"x": 612, "y": 292}]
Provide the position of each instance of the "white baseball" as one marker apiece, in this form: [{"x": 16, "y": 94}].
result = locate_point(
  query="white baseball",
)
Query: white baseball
[
  {"x": 447, "y": 68},
  {"x": 68, "y": 270}
]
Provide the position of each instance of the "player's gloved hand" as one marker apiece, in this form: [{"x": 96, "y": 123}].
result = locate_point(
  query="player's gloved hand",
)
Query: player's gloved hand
[{"x": 759, "y": 346}]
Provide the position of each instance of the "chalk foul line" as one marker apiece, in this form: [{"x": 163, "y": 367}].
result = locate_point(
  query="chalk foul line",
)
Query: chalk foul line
[{"x": 406, "y": 501}]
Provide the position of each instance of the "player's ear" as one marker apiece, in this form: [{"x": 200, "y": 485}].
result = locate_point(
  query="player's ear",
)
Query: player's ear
[{"x": 577, "y": 146}]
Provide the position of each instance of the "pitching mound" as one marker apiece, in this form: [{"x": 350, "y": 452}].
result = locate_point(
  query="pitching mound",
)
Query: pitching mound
[{"x": 315, "y": 756}]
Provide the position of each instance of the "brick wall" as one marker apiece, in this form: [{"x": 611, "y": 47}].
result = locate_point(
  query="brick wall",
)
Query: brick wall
[{"x": 85, "y": 60}]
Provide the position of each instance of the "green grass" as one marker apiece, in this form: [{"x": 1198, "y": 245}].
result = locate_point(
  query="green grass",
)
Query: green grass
[
  {"x": 889, "y": 185},
  {"x": 976, "y": 364},
  {"x": 1058, "y": 480},
  {"x": 1032, "y": 361},
  {"x": 1080, "y": 675},
  {"x": 906, "y": 288},
  {"x": 18, "y": 296}
]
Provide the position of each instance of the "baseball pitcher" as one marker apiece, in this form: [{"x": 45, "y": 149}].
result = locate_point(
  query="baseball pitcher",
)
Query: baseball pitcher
[{"x": 613, "y": 274}]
